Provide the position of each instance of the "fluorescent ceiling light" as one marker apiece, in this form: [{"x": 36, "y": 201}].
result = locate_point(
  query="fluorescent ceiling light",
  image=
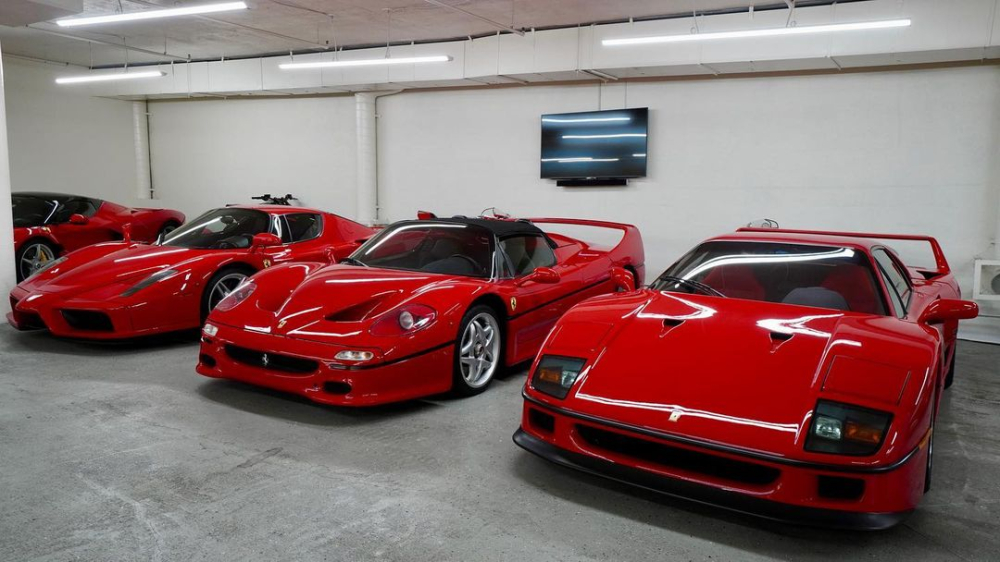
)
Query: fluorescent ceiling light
[
  {"x": 110, "y": 77},
  {"x": 578, "y": 159},
  {"x": 588, "y": 120},
  {"x": 154, "y": 14},
  {"x": 802, "y": 30},
  {"x": 618, "y": 136},
  {"x": 362, "y": 62}
]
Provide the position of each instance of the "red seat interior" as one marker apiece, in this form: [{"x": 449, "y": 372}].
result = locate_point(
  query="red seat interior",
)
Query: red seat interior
[
  {"x": 737, "y": 281},
  {"x": 857, "y": 286}
]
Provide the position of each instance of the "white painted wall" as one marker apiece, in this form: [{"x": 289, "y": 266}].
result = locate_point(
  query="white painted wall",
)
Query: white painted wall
[
  {"x": 210, "y": 153},
  {"x": 64, "y": 140},
  {"x": 896, "y": 151}
]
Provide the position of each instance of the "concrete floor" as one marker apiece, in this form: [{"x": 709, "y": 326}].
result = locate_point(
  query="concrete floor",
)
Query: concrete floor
[{"x": 116, "y": 453}]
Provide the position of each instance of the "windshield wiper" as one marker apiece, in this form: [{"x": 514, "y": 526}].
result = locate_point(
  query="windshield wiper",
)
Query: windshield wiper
[
  {"x": 353, "y": 261},
  {"x": 697, "y": 285}
]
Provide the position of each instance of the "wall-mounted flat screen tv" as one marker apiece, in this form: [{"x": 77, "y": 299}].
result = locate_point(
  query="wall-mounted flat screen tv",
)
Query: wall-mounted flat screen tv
[{"x": 595, "y": 144}]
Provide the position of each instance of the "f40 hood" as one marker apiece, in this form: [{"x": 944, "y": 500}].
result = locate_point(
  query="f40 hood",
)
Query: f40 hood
[{"x": 728, "y": 370}]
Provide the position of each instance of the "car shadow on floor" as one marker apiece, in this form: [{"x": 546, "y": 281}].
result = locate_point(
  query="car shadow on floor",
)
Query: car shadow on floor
[
  {"x": 689, "y": 517},
  {"x": 291, "y": 407},
  {"x": 42, "y": 342}
]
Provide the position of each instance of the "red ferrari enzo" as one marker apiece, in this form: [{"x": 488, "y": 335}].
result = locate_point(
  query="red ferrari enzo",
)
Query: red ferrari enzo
[
  {"x": 794, "y": 375},
  {"x": 424, "y": 307},
  {"x": 47, "y": 225},
  {"x": 119, "y": 290}
]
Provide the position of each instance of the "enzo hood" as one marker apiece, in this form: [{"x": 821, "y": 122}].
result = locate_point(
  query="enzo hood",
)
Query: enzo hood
[{"x": 704, "y": 367}]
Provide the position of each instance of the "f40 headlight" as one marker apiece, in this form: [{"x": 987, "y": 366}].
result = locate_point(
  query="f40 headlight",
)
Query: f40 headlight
[
  {"x": 556, "y": 375},
  {"x": 844, "y": 429}
]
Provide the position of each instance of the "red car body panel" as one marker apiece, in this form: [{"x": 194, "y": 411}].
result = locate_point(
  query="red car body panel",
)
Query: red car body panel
[
  {"x": 107, "y": 224},
  {"x": 290, "y": 315},
  {"x": 94, "y": 278},
  {"x": 734, "y": 380}
]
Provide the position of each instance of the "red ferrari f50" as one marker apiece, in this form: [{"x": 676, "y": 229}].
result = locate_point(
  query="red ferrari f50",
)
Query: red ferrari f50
[
  {"x": 423, "y": 307},
  {"x": 119, "y": 290},
  {"x": 794, "y": 375}
]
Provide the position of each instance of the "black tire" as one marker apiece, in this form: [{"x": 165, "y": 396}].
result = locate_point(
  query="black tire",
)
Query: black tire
[
  {"x": 167, "y": 228},
  {"x": 949, "y": 379},
  {"x": 476, "y": 368},
  {"x": 227, "y": 275},
  {"x": 26, "y": 253},
  {"x": 930, "y": 458}
]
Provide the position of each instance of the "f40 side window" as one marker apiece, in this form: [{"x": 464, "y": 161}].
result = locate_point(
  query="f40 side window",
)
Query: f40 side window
[
  {"x": 895, "y": 280},
  {"x": 527, "y": 253}
]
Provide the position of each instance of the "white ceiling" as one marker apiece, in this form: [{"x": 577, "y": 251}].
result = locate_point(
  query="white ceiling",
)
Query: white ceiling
[{"x": 275, "y": 26}]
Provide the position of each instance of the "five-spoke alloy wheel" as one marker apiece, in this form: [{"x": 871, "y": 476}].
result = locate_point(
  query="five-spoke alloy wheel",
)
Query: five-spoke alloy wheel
[{"x": 478, "y": 353}]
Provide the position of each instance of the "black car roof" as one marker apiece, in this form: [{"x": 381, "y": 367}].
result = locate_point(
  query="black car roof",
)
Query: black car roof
[
  {"x": 49, "y": 195},
  {"x": 502, "y": 228}
]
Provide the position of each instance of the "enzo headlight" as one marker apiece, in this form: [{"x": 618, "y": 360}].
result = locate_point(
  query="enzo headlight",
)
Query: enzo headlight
[
  {"x": 154, "y": 278},
  {"x": 846, "y": 430},
  {"x": 238, "y": 295},
  {"x": 555, "y": 375}
]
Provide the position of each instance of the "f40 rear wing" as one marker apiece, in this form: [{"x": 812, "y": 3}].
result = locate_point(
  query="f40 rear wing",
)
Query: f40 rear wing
[{"x": 940, "y": 262}]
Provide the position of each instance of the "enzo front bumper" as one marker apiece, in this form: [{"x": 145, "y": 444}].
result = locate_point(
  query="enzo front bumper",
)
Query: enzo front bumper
[
  {"x": 800, "y": 493},
  {"x": 86, "y": 318},
  {"x": 304, "y": 367}
]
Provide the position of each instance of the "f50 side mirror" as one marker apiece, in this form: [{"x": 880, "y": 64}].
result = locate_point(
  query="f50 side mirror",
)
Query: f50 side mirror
[
  {"x": 265, "y": 240},
  {"x": 540, "y": 275},
  {"x": 947, "y": 310},
  {"x": 77, "y": 218}
]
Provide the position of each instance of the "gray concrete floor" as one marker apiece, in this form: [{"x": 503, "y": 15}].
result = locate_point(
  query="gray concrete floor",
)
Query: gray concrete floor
[{"x": 120, "y": 453}]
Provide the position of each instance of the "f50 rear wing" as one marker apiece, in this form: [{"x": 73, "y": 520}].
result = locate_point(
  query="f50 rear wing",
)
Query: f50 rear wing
[{"x": 940, "y": 262}]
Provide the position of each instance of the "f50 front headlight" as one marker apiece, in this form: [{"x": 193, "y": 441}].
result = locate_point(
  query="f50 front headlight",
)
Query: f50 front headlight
[
  {"x": 556, "y": 375},
  {"x": 843, "y": 429}
]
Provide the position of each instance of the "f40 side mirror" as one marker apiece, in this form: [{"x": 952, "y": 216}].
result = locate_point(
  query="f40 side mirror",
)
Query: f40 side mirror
[
  {"x": 265, "y": 240},
  {"x": 540, "y": 275},
  {"x": 77, "y": 218},
  {"x": 947, "y": 310}
]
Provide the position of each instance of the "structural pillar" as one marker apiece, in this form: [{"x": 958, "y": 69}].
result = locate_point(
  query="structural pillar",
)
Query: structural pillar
[
  {"x": 367, "y": 154},
  {"x": 7, "y": 276},
  {"x": 140, "y": 141}
]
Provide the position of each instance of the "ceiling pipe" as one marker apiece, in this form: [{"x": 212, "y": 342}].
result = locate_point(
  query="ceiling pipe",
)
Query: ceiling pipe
[
  {"x": 164, "y": 54},
  {"x": 496, "y": 24},
  {"x": 241, "y": 26}
]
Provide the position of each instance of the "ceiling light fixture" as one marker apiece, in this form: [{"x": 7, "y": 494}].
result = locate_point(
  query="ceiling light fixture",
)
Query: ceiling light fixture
[
  {"x": 750, "y": 33},
  {"x": 362, "y": 62},
  {"x": 154, "y": 14},
  {"x": 110, "y": 77}
]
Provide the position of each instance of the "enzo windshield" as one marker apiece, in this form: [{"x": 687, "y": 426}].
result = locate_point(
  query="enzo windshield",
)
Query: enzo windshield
[
  {"x": 221, "y": 229},
  {"x": 819, "y": 276},
  {"x": 32, "y": 211},
  {"x": 449, "y": 248}
]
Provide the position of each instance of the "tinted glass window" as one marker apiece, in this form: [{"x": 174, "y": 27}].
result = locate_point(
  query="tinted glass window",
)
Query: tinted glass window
[
  {"x": 454, "y": 249},
  {"x": 799, "y": 274},
  {"x": 76, "y": 206},
  {"x": 32, "y": 211},
  {"x": 895, "y": 280},
  {"x": 526, "y": 253},
  {"x": 221, "y": 229},
  {"x": 303, "y": 226}
]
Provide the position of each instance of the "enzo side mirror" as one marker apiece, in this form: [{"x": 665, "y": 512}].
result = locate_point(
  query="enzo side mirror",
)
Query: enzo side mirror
[
  {"x": 540, "y": 275},
  {"x": 77, "y": 218},
  {"x": 265, "y": 240},
  {"x": 947, "y": 310}
]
